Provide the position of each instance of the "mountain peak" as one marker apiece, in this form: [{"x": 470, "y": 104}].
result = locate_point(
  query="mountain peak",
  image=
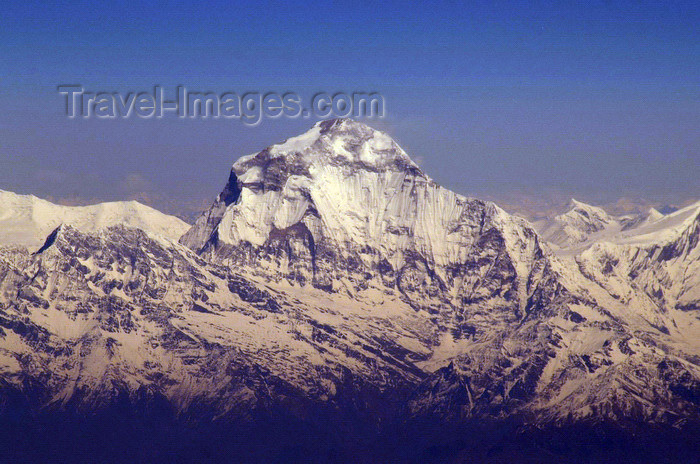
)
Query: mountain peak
[
  {"x": 336, "y": 142},
  {"x": 576, "y": 204},
  {"x": 338, "y": 124},
  {"x": 576, "y": 224},
  {"x": 590, "y": 212},
  {"x": 343, "y": 196},
  {"x": 573, "y": 203},
  {"x": 654, "y": 214}
]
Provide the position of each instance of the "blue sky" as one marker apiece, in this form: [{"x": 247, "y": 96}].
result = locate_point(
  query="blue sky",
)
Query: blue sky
[{"x": 597, "y": 98}]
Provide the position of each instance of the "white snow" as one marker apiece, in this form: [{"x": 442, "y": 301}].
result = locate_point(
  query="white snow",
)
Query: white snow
[
  {"x": 26, "y": 220},
  {"x": 662, "y": 230}
]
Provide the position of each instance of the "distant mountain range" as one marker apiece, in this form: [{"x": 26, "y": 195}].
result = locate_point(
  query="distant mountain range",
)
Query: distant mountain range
[
  {"x": 26, "y": 220},
  {"x": 334, "y": 302}
]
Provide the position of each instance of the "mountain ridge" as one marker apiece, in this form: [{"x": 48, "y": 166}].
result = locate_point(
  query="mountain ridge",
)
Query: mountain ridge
[
  {"x": 26, "y": 220},
  {"x": 331, "y": 277}
]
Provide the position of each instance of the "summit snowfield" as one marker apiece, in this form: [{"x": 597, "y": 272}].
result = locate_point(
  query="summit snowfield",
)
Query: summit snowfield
[{"x": 26, "y": 220}]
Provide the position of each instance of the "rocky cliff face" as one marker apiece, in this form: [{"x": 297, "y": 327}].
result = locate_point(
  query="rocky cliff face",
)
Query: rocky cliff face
[{"x": 343, "y": 208}]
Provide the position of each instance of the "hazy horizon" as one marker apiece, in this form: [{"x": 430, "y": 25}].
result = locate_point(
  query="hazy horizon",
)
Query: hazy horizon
[{"x": 596, "y": 101}]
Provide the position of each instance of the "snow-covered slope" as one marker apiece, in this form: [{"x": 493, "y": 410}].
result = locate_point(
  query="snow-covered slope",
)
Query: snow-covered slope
[
  {"x": 26, "y": 220},
  {"x": 659, "y": 259},
  {"x": 95, "y": 314},
  {"x": 657, "y": 228},
  {"x": 344, "y": 208},
  {"x": 650, "y": 260},
  {"x": 582, "y": 225},
  {"x": 121, "y": 313},
  {"x": 640, "y": 220},
  {"x": 578, "y": 225}
]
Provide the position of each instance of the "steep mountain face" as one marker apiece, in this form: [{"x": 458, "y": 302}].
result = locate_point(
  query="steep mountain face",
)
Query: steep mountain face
[
  {"x": 646, "y": 276},
  {"x": 343, "y": 208},
  {"x": 26, "y": 220},
  {"x": 94, "y": 317},
  {"x": 333, "y": 282},
  {"x": 121, "y": 312}
]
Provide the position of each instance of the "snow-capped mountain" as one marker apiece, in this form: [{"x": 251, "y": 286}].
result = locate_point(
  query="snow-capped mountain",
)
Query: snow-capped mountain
[
  {"x": 660, "y": 258},
  {"x": 640, "y": 220},
  {"x": 343, "y": 207},
  {"x": 26, "y": 220},
  {"x": 649, "y": 254},
  {"x": 333, "y": 279},
  {"x": 578, "y": 225},
  {"x": 583, "y": 224}
]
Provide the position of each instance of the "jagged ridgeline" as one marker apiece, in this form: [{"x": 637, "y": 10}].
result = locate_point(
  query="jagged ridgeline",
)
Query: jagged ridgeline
[{"x": 336, "y": 304}]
